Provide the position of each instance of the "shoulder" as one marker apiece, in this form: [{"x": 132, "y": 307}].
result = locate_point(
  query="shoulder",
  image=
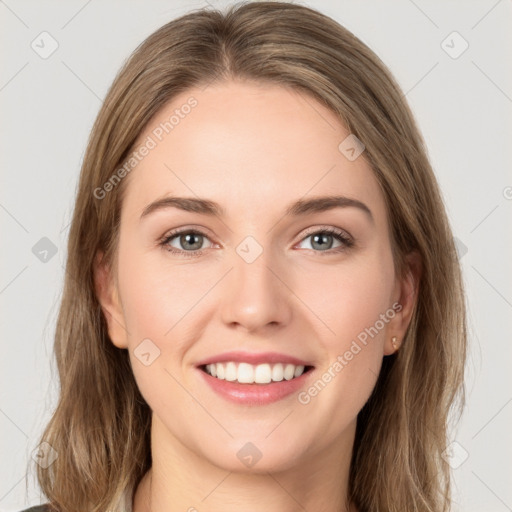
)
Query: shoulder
[{"x": 38, "y": 508}]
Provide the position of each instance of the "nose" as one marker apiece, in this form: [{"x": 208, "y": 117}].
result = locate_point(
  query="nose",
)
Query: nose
[{"x": 255, "y": 296}]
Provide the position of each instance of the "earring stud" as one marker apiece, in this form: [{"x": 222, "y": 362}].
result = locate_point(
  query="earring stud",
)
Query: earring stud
[{"x": 394, "y": 342}]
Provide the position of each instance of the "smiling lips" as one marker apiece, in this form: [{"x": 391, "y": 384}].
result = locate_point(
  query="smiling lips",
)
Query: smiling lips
[{"x": 254, "y": 379}]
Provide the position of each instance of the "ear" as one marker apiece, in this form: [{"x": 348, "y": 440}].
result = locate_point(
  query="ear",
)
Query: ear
[
  {"x": 108, "y": 297},
  {"x": 405, "y": 297}
]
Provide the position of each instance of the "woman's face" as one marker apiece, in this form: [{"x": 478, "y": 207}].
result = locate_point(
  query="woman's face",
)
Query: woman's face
[{"x": 258, "y": 279}]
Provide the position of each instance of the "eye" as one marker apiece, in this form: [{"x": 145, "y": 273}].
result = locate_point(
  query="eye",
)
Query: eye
[
  {"x": 189, "y": 241},
  {"x": 323, "y": 240}
]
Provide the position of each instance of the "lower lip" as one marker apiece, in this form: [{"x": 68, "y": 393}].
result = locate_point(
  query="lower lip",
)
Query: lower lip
[{"x": 255, "y": 394}]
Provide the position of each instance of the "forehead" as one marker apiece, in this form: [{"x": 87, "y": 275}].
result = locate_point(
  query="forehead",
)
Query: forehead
[{"x": 247, "y": 145}]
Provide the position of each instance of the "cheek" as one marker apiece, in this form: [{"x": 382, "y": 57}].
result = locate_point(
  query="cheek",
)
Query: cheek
[
  {"x": 155, "y": 295},
  {"x": 354, "y": 303},
  {"x": 157, "y": 303},
  {"x": 349, "y": 298}
]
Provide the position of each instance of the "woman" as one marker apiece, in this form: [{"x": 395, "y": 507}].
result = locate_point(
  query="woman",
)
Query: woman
[{"x": 305, "y": 351}]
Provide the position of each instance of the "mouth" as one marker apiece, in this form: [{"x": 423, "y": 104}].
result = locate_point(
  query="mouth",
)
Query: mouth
[
  {"x": 255, "y": 379},
  {"x": 262, "y": 374}
]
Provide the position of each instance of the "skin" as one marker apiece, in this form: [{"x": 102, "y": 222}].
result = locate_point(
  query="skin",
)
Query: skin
[{"x": 253, "y": 148}]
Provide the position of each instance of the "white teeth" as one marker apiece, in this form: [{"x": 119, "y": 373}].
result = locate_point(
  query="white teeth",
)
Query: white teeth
[
  {"x": 246, "y": 373},
  {"x": 277, "y": 372},
  {"x": 231, "y": 373},
  {"x": 263, "y": 374},
  {"x": 289, "y": 371}
]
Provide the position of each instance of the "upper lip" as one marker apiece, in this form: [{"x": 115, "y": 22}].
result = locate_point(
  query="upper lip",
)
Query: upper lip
[{"x": 253, "y": 358}]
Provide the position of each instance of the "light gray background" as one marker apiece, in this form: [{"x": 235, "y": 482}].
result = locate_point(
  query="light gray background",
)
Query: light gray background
[{"x": 463, "y": 106}]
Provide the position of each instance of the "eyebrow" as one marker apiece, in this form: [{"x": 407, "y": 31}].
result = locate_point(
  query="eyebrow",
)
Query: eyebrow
[{"x": 298, "y": 208}]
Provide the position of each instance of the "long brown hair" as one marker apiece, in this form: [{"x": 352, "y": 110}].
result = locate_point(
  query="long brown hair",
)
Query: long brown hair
[{"x": 101, "y": 426}]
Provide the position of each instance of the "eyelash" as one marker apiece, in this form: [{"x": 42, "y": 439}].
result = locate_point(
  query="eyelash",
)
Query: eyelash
[{"x": 338, "y": 234}]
